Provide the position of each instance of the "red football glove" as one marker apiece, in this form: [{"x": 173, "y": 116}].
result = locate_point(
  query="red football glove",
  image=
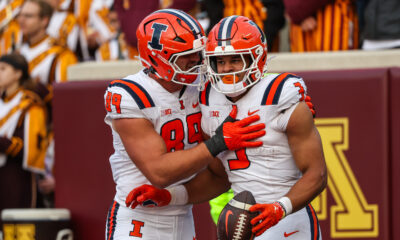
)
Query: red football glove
[
  {"x": 270, "y": 214},
  {"x": 233, "y": 134},
  {"x": 310, "y": 105},
  {"x": 148, "y": 196}
]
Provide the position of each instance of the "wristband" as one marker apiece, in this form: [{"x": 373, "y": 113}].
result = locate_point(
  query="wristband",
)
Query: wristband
[
  {"x": 179, "y": 195},
  {"x": 286, "y": 205},
  {"x": 215, "y": 145}
]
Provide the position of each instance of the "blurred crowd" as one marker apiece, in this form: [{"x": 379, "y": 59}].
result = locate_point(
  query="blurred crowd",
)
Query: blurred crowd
[{"x": 39, "y": 39}]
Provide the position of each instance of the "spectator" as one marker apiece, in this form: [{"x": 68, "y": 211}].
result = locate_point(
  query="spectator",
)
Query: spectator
[
  {"x": 48, "y": 61},
  {"x": 274, "y": 23},
  {"x": 23, "y": 135},
  {"x": 63, "y": 26},
  {"x": 322, "y": 25},
  {"x": 267, "y": 14},
  {"x": 382, "y": 25},
  {"x": 131, "y": 12},
  {"x": 115, "y": 48},
  {"x": 10, "y": 36}
]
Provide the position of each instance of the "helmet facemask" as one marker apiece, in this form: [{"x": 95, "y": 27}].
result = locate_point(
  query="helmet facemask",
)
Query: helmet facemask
[
  {"x": 188, "y": 76},
  {"x": 230, "y": 83}
]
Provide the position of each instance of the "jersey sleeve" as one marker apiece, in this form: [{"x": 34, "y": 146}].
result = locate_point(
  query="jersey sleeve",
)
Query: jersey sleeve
[
  {"x": 294, "y": 90},
  {"x": 120, "y": 104}
]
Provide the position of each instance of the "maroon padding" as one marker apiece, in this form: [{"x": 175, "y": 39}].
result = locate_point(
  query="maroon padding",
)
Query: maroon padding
[
  {"x": 362, "y": 97},
  {"x": 395, "y": 150},
  {"x": 83, "y": 144}
]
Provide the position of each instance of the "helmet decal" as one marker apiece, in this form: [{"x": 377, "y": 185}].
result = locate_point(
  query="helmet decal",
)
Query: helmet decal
[
  {"x": 155, "y": 37},
  {"x": 171, "y": 44},
  {"x": 194, "y": 27},
  {"x": 259, "y": 29}
]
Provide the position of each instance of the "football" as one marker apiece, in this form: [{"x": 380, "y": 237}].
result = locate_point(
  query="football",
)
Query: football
[{"x": 234, "y": 220}]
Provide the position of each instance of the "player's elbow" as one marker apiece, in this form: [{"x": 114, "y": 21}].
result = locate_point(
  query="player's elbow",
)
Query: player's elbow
[{"x": 159, "y": 181}]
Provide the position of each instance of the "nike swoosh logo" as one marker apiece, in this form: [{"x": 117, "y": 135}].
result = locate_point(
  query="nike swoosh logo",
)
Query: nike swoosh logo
[
  {"x": 251, "y": 113},
  {"x": 194, "y": 105},
  {"x": 228, "y": 213},
  {"x": 288, "y": 234}
]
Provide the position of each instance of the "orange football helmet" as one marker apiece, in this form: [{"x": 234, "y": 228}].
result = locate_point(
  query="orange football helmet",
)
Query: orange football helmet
[
  {"x": 164, "y": 37},
  {"x": 236, "y": 35}
]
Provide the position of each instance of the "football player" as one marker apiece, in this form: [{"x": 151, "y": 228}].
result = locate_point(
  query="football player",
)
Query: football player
[
  {"x": 155, "y": 120},
  {"x": 288, "y": 171}
]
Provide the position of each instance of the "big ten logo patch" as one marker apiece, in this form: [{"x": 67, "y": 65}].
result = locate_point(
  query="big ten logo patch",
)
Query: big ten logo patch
[{"x": 213, "y": 113}]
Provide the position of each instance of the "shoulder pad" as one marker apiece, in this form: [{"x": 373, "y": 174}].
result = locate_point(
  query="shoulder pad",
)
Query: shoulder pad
[{"x": 136, "y": 91}]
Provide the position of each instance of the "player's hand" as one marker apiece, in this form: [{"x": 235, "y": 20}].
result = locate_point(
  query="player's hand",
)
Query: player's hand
[
  {"x": 270, "y": 214},
  {"x": 310, "y": 105},
  {"x": 233, "y": 134},
  {"x": 148, "y": 196}
]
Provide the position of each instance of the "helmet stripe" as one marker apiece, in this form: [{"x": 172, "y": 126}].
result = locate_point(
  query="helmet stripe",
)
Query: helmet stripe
[
  {"x": 221, "y": 26},
  {"x": 225, "y": 30},
  {"x": 194, "y": 27}
]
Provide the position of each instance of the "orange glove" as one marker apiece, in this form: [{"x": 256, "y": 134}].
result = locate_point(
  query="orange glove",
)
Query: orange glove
[
  {"x": 148, "y": 196},
  {"x": 270, "y": 215},
  {"x": 310, "y": 105},
  {"x": 233, "y": 134}
]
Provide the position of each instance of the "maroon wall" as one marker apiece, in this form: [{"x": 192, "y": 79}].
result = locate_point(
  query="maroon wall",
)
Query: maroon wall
[
  {"x": 395, "y": 150},
  {"x": 361, "y": 96},
  {"x": 84, "y": 143}
]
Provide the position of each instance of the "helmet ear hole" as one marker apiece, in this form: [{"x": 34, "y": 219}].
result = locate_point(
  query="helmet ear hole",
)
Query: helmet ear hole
[{"x": 153, "y": 61}]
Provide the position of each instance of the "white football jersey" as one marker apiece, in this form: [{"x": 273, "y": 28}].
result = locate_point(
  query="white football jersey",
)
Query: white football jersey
[
  {"x": 175, "y": 116},
  {"x": 268, "y": 171}
]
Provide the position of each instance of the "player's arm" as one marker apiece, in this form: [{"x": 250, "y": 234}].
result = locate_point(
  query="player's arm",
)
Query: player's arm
[
  {"x": 213, "y": 176},
  {"x": 148, "y": 151},
  {"x": 206, "y": 185},
  {"x": 306, "y": 147}
]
